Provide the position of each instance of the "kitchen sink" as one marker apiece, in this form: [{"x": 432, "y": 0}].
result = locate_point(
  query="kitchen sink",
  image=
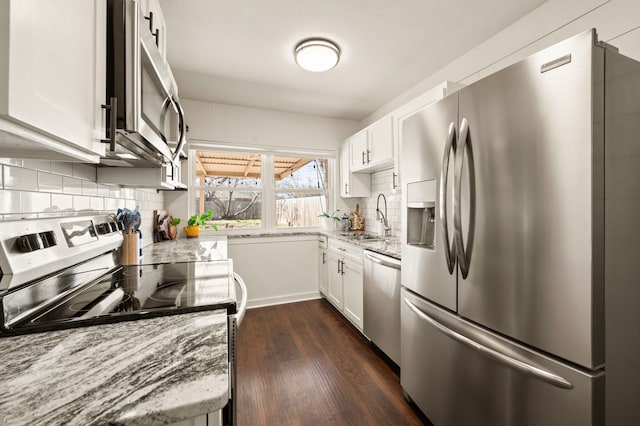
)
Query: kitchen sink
[{"x": 359, "y": 236}]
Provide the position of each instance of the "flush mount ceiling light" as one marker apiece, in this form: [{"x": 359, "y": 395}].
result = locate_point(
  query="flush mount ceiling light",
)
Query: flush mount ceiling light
[{"x": 317, "y": 54}]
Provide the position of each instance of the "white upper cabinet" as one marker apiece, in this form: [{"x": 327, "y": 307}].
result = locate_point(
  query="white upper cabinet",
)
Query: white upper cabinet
[
  {"x": 52, "y": 78},
  {"x": 358, "y": 147},
  {"x": 372, "y": 148},
  {"x": 352, "y": 184},
  {"x": 156, "y": 23}
]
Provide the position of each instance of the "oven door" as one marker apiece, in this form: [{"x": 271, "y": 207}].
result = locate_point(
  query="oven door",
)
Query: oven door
[{"x": 143, "y": 95}]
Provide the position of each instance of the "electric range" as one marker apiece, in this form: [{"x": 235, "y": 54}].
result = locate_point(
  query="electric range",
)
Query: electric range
[{"x": 65, "y": 272}]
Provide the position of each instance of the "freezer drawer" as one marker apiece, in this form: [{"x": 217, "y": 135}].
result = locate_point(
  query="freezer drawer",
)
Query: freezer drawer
[{"x": 458, "y": 373}]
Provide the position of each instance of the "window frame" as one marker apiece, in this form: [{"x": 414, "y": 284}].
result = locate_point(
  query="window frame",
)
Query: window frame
[{"x": 269, "y": 190}]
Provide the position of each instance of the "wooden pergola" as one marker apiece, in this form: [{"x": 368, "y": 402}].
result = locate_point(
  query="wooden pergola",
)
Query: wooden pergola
[{"x": 226, "y": 164}]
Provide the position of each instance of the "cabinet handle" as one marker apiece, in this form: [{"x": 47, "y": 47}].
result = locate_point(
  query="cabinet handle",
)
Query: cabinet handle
[
  {"x": 363, "y": 163},
  {"x": 393, "y": 180},
  {"x": 156, "y": 34},
  {"x": 338, "y": 266},
  {"x": 323, "y": 257},
  {"x": 346, "y": 188},
  {"x": 368, "y": 159},
  {"x": 342, "y": 267},
  {"x": 112, "y": 118},
  {"x": 150, "y": 19}
]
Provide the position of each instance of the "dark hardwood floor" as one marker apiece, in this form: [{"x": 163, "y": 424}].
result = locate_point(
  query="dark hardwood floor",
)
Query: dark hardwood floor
[{"x": 304, "y": 364}]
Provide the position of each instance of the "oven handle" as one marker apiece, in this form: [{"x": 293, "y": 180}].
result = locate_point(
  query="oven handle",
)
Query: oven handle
[{"x": 243, "y": 298}]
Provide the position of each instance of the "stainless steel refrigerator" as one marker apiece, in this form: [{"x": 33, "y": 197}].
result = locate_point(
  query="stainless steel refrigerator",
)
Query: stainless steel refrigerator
[{"x": 511, "y": 242}]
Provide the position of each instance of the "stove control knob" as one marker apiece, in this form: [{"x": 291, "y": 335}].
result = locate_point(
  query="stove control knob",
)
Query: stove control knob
[
  {"x": 103, "y": 228},
  {"x": 29, "y": 243},
  {"x": 48, "y": 239}
]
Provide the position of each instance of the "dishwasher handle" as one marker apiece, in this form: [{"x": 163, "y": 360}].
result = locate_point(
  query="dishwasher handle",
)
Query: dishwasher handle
[{"x": 381, "y": 261}]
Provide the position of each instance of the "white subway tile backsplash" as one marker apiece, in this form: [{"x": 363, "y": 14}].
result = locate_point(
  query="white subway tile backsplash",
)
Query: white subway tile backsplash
[
  {"x": 81, "y": 202},
  {"x": 115, "y": 192},
  {"x": 381, "y": 182},
  {"x": 103, "y": 190},
  {"x": 48, "y": 182},
  {"x": 65, "y": 169},
  {"x": 18, "y": 178},
  {"x": 127, "y": 193},
  {"x": 84, "y": 171},
  {"x": 61, "y": 202},
  {"x": 10, "y": 202},
  {"x": 89, "y": 188},
  {"x": 111, "y": 204},
  {"x": 42, "y": 165},
  {"x": 97, "y": 203},
  {"x": 35, "y": 202},
  {"x": 35, "y": 188},
  {"x": 71, "y": 185}
]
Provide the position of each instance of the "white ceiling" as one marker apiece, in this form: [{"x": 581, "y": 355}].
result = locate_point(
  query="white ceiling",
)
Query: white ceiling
[{"x": 239, "y": 52}]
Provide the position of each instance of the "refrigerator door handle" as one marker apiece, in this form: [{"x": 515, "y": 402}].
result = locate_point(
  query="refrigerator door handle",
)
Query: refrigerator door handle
[
  {"x": 464, "y": 144},
  {"x": 509, "y": 361},
  {"x": 450, "y": 146}
]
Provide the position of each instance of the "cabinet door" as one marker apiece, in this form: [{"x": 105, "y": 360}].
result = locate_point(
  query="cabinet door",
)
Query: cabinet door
[
  {"x": 358, "y": 147},
  {"x": 352, "y": 184},
  {"x": 334, "y": 292},
  {"x": 381, "y": 143},
  {"x": 56, "y": 78},
  {"x": 157, "y": 25},
  {"x": 323, "y": 269},
  {"x": 353, "y": 289}
]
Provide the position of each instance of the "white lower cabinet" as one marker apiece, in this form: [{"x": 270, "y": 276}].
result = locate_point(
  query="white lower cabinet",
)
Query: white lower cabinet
[
  {"x": 323, "y": 268},
  {"x": 345, "y": 280},
  {"x": 334, "y": 290},
  {"x": 352, "y": 291}
]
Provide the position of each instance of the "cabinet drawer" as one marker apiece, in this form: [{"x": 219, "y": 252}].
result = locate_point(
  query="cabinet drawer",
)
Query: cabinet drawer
[{"x": 346, "y": 249}]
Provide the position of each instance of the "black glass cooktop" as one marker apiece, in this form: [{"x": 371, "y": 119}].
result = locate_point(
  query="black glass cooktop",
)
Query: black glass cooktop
[{"x": 99, "y": 291}]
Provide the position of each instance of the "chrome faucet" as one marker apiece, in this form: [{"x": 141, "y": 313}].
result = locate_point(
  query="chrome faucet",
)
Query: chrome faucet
[{"x": 383, "y": 220}]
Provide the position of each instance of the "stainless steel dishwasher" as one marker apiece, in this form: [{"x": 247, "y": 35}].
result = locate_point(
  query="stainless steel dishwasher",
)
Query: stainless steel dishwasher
[{"x": 382, "y": 303}]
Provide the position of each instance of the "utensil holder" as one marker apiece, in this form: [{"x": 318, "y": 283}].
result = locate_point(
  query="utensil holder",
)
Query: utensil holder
[{"x": 129, "y": 249}]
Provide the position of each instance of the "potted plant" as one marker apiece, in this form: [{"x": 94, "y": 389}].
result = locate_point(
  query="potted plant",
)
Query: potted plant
[
  {"x": 330, "y": 219},
  {"x": 192, "y": 229}
]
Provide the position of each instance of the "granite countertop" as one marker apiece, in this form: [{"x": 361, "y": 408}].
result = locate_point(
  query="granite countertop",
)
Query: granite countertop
[
  {"x": 186, "y": 250},
  {"x": 389, "y": 247},
  {"x": 146, "y": 372},
  {"x": 211, "y": 248}
]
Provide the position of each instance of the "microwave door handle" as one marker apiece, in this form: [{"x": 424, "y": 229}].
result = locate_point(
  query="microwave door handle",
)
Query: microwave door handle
[{"x": 183, "y": 132}]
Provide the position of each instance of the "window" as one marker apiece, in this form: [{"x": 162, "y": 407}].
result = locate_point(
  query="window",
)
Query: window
[{"x": 261, "y": 191}]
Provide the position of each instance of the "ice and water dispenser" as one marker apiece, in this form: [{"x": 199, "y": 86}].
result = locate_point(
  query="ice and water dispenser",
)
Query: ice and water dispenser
[{"x": 421, "y": 213}]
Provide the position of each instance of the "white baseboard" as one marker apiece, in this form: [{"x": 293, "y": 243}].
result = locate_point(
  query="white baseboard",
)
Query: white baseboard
[{"x": 279, "y": 300}]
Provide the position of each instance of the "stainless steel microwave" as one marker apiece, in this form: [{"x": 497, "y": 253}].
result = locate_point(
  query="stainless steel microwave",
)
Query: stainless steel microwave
[{"x": 143, "y": 106}]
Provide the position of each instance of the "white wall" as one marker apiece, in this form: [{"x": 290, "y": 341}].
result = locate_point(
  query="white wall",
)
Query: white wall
[
  {"x": 235, "y": 125},
  {"x": 277, "y": 269},
  {"x": 617, "y": 23}
]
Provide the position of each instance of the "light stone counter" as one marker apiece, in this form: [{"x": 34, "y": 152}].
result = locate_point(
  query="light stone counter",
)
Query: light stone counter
[
  {"x": 146, "y": 372},
  {"x": 186, "y": 250}
]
